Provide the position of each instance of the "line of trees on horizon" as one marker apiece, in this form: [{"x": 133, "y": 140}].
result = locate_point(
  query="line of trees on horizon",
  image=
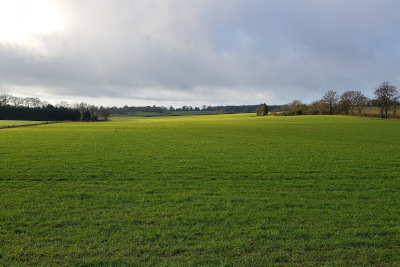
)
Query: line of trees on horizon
[
  {"x": 132, "y": 110},
  {"x": 32, "y": 108},
  {"x": 348, "y": 103}
]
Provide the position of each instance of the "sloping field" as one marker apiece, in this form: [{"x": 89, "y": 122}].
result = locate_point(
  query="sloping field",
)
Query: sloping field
[{"x": 205, "y": 190}]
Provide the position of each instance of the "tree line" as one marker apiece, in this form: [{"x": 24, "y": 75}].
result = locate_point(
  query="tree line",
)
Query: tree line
[
  {"x": 132, "y": 110},
  {"x": 348, "y": 103},
  {"x": 32, "y": 108}
]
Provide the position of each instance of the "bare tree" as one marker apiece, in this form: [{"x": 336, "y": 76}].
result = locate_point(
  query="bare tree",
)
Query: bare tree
[
  {"x": 361, "y": 102},
  {"x": 81, "y": 107},
  {"x": 36, "y": 102},
  {"x": 347, "y": 102},
  {"x": 32, "y": 102},
  {"x": 295, "y": 108},
  {"x": 26, "y": 102},
  {"x": 104, "y": 113},
  {"x": 318, "y": 107},
  {"x": 386, "y": 96},
  {"x": 63, "y": 104},
  {"x": 331, "y": 98},
  {"x": 93, "y": 111},
  {"x": 352, "y": 99},
  {"x": 17, "y": 101},
  {"x": 4, "y": 99},
  {"x": 395, "y": 105}
]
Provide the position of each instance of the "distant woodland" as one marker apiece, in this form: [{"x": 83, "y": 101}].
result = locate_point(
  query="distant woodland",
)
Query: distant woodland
[{"x": 349, "y": 103}]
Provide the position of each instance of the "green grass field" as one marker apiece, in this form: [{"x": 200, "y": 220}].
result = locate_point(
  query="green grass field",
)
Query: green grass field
[
  {"x": 6, "y": 123},
  {"x": 171, "y": 113},
  {"x": 221, "y": 190}
]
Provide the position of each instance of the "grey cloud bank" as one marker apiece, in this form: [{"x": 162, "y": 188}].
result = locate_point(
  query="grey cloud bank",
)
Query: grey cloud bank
[{"x": 177, "y": 52}]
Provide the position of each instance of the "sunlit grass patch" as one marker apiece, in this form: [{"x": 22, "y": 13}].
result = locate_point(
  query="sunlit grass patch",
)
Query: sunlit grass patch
[{"x": 5, "y": 123}]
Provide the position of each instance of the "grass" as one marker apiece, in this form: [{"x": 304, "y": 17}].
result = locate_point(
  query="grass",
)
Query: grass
[
  {"x": 204, "y": 190},
  {"x": 172, "y": 113},
  {"x": 7, "y": 123}
]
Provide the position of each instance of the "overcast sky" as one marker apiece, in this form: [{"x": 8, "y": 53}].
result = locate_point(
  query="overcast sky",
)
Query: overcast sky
[{"x": 195, "y": 52}]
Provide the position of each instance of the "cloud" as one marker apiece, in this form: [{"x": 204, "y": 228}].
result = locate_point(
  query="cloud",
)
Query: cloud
[{"x": 193, "y": 52}]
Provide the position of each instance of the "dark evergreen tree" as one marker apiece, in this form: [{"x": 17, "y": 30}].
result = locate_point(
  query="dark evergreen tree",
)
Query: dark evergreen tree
[
  {"x": 86, "y": 116},
  {"x": 262, "y": 110}
]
